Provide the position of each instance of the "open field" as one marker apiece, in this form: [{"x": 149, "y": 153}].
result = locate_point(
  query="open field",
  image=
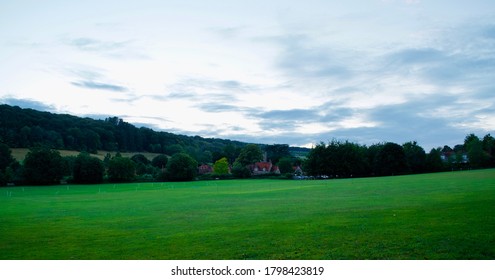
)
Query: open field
[
  {"x": 20, "y": 153},
  {"x": 431, "y": 216}
]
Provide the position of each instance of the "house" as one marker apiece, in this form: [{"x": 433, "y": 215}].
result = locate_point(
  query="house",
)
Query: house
[
  {"x": 205, "y": 169},
  {"x": 264, "y": 167}
]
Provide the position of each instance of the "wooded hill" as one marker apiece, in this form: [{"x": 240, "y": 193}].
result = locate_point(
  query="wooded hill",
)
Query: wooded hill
[{"x": 25, "y": 128}]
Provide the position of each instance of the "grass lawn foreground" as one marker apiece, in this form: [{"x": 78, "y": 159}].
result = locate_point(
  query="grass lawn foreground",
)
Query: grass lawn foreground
[{"x": 431, "y": 216}]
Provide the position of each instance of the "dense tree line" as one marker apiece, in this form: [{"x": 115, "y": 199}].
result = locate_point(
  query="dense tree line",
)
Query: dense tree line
[
  {"x": 337, "y": 159},
  {"x": 26, "y": 128},
  {"x": 344, "y": 159}
]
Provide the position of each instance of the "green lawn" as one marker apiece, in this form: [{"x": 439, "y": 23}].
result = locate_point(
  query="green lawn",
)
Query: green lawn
[{"x": 432, "y": 216}]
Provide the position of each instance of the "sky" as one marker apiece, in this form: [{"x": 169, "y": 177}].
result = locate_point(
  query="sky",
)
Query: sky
[{"x": 285, "y": 72}]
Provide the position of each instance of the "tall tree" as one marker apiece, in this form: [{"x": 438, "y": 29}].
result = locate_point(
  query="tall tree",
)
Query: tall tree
[
  {"x": 88, "y": 169},
  {"x": 434, "y": 161},
  {"x": 415, "y": 156},
  {"x": 160, "y": 161},
  {"x": 285, "y": 165},
  {"x": 250, "y": 154},
  {"x": 316, "y": 163},
  {"x": 181, "y": 167},
  {"x": 489, "y": 148},
  {"x": 121, "y": 169},
  {"x": 6, "y": 160},
  {"x": 221, "y": 166},
  {"x": 477, "y": 157},
  {"x": 5, "y": 156},
  {"x": 276, "y": 152},
  {"x": 43, "y": 166},
  {"x": 391, "y": 160}
]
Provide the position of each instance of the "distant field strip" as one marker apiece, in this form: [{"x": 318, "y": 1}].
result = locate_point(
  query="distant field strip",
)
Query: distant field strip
[{"x": 430, "y": 216}]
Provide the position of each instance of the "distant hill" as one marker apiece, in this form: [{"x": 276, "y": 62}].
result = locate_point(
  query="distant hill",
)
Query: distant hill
[{"x": 25, "y": 128}]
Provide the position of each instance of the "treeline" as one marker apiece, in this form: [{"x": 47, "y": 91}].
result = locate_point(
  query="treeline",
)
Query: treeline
[
  {"x": 45, "y": 166},
  {"x": 344, "y": 159},
  {"x": 26, "y": 128}
]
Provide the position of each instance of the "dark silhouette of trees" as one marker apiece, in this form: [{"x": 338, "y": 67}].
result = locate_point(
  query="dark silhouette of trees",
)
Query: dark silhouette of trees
[
  {"x": 88, "y": 169},
  {"x": 276, "y": 152},
  {"x": 43, "y": 166},
  {"x": 415, "y": 157},
  {"x": 434, "y": 161},
  {"x": 6, "y": 164},
  {"x": 26, "y": 128},
  {"x": 121, "y": 169},
  {"x": 181, "y": 167}
]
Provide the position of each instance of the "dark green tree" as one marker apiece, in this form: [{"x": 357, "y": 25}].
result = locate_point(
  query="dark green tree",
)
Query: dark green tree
[
  {"x": 43, "y": 166},
  {"x": 250, "y": 154},
  {"x": 240, "y": 171},
  {"x": 285, "y": 165},
  {"x": 121, "y": 169},
  {"x": 434, "y": 161},
  {"x": 6, "y": 160},
  {"x": 181, "y": 167},
  {"x": 317, "y": 160},
  {"x": 231, "y": 152},
  {"x": 391, "y": 160},
  {"x": 160, "y": 161},
  {"x": 5, "y": 156},
  {"x": 174, "y": 149},
  {"x": 415, "y": 157},
  {"x": 478, "y": 158},
  {"x": 88, "y": 169},
  {"x": 140, "y": 158},
  {"x": 276, "y": 152},
  {"x": 489, "y": 148}
]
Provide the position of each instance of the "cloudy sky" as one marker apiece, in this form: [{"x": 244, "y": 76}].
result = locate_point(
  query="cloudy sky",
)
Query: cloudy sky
[{"x": 277, "y": 71}]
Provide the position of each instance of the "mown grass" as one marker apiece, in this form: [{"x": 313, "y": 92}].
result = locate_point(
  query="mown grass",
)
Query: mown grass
[{"x": 431, "y": 216}]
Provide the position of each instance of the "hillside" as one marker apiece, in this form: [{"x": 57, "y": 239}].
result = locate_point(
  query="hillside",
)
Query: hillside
[{"x": 25, "y": 128}]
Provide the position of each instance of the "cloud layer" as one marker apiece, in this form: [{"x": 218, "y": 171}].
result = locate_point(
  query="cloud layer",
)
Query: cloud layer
[{"x": 278, "y": 72}]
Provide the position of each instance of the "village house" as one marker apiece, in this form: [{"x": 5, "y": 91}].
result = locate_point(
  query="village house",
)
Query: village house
[{"x": 205, "y": 169}]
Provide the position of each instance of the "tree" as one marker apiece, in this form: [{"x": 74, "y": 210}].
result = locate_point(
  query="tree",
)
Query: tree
[
  {"x": 434, "y": 161},
  {"x": 6, "y": 160},
  {"x": 160, "y": 161},
  {"x": 250, "y": 154},
  {"x": 391, "y": 160},
  {"x": 181, "y": 167},
  {"x": 5, "y": 156},
  {"x": 285, "y": 165},
  {"x": 489, "y": 148},
  {"x": 174, "y": 149},
  {"x": 317, "y": 161},
  {"x": 477, "y": 157},
  {"x": 231, "y": 152},
  {"x": 240, "y": 171},
  {"x": 415, "y": 156},
  {"x": 121, "y": 169},
  {"x": 221, "y": 166},
  {"x": 88, "y": 169},
  {"x": 276, "y": 152},
  {"x": 43, "y": 166}
]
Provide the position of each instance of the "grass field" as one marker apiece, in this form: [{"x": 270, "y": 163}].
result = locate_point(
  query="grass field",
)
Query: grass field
[{"x": 432, "y": 216}]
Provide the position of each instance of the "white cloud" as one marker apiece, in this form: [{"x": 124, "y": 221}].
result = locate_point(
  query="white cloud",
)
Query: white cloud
[{"x": 279, "y": 71}]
